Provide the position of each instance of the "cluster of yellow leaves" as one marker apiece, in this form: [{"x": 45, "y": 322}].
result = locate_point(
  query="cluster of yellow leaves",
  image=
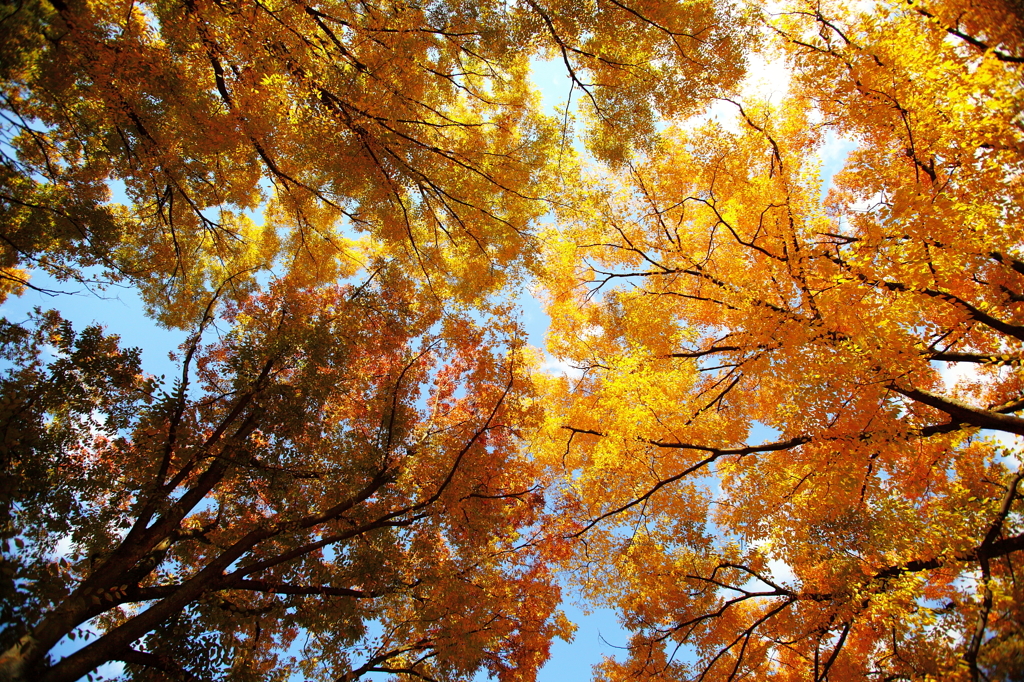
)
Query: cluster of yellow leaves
[{"x": 708, "y": 290}]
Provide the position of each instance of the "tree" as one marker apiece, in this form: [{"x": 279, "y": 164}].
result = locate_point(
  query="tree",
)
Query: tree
[
  {"x": 387, "y": 141},
  {"x": 344, "y": 466},
  {"x": 338, "y": 472},
  {"x": 411, "y": 122},
  {"x": 709, "y": 288}
]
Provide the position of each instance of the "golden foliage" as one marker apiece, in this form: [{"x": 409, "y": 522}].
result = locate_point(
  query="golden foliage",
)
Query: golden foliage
[
  {"x": 709, "y": 290},
  {"x": 791, "y": 449}
]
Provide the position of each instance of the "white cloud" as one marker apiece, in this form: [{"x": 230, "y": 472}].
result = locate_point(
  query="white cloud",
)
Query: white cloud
[
  {"x": 766, "y": 79},
  {"x": 553, "y": 365},
  {"x": 780, "y": 571},
  {"x": 952, "y": 373}
]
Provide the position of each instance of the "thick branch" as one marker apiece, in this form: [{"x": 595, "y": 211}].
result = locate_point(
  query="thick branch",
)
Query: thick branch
[
  {"x": 303, "y": 590},
  {"x": 963, "y": 413}
]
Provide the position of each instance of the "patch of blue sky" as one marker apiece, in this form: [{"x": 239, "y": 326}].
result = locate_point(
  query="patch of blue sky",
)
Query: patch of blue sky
[
  {"x": 118, "y": 309},
  {"x": 833, "y": 154},
  {"x": 599, "y": 634},
  {"x": 559, "y": 98}
]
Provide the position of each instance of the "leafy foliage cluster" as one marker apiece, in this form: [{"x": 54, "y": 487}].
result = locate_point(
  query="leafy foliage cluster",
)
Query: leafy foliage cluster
[{"x": 361, "y": 467}]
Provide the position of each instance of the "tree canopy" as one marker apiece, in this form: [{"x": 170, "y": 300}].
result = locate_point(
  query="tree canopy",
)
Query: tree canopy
[{"x": 789, "y": 450}]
